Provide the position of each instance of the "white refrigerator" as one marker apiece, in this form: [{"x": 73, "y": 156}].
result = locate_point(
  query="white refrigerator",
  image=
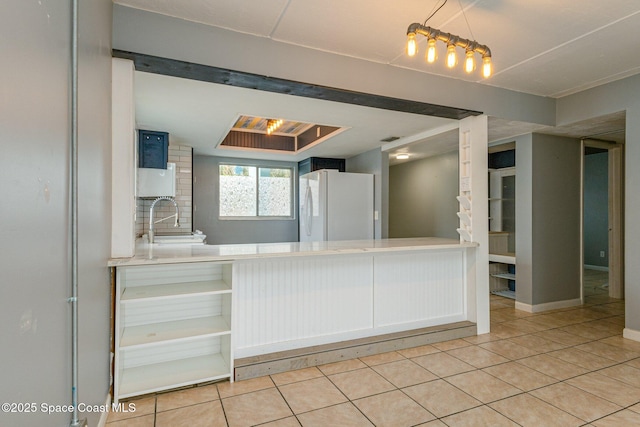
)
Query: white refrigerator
[{"x": 336, "y": 206}]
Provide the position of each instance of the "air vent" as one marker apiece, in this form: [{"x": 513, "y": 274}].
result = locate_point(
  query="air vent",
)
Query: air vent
[{"x": 390, "y": 139}]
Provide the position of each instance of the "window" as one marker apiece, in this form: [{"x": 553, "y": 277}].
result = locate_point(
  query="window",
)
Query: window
[{"x": 255, "y": 192}]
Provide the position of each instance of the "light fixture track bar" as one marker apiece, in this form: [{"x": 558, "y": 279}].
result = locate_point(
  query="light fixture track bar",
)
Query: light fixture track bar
[{"x": 448, "y": 38}]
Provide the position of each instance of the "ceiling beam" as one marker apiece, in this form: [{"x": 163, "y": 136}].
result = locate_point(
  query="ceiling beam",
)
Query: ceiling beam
[{"x": 207, "y": 73}]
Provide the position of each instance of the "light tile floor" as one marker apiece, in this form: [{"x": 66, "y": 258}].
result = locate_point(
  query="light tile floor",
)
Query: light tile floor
[{"x": 568, "y": 367}]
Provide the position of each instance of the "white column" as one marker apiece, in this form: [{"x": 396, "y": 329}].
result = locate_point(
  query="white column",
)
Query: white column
[
  {"x": 123, "y": 160},
  {"x": 474, "y": 222}
]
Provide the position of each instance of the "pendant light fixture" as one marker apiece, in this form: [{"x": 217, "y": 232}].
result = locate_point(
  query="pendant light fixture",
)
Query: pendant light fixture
[
  {"x": 452, "y": 41},
  {"x": 273, "y": 125}
]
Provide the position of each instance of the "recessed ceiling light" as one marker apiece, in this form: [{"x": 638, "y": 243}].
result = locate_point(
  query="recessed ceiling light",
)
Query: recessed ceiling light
[{"x": 402, "y": 156}]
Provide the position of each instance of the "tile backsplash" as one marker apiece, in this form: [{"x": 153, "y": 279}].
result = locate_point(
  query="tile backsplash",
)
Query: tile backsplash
[{"x": 182, "y": 156}]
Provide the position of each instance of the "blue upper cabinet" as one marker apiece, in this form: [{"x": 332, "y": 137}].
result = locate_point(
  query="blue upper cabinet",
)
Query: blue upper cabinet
[{"x": 153, "y": 149}]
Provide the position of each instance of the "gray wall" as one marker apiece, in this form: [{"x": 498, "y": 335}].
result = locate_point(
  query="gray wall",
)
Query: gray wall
[
  {"x": 621, "y": 95},
  {"x": 548, "y": 219},
  {"x": 205, "y": 212},
  {"x": 422, "y": 197},
  {"x": 35, "y": 276},
  {"x": 377, "y": 163},
  {"x": 524, "y": 219},
  {"x": 596, "y": 209},
  {"x": 145, "y": 32}
]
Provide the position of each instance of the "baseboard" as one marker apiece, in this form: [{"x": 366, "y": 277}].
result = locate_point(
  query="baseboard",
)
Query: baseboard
[
  {"x": 596, "y": 267},
  {"x": 538, "y": 308},
  {"x": 105, "y": 415},
  {"x": 631, "y": 334},
  {"x": 524, "y": 307},
  {"x": 273, "y": 363}
]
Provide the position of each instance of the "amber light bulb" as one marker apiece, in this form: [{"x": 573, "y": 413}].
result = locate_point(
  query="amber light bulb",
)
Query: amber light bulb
[
  {"x": 412, "y": 45},
  {"x": 432, "y": 53},
  {"x": 487, "y": 68},
  {"x": 469, "y": 62},
  {"x": 452, "y": 59}
]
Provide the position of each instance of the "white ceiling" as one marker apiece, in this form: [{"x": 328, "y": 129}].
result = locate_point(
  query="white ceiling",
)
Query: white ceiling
[{"x": 550, "y": 48}]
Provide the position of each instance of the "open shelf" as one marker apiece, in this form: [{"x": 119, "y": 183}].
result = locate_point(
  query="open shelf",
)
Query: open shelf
[
  {"x": 465, "y": 202},
  {"x": 176, "y": 330},
  {"x": 465, "y": 218},
  {"x": 137, "y": 293},
  {"x": 509, "y": 276},
  {"x": 506, "y": 258},
  {"x": 464, "y": 234},
  {"x": 172, "y": 326},
  {"x": 176, "y": 373}
]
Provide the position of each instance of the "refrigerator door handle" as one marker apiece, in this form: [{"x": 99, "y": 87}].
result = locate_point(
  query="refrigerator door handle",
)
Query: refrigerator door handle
[{"x": 308, "y": 203}]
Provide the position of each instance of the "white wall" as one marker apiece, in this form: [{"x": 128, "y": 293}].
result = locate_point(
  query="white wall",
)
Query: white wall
[
  {"x": 35, "y": 339},
  {"x": 422, "y": 197}
]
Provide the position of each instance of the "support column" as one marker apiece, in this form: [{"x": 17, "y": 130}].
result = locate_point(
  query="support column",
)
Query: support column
[{"x": 474, "y": 206}]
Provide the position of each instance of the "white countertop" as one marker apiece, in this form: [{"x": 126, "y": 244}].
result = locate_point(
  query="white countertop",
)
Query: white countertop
[{"x": 177, "y": 253}]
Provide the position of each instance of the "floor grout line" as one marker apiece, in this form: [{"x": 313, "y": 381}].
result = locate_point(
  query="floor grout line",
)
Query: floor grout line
[{"x": 605, "y": 322}]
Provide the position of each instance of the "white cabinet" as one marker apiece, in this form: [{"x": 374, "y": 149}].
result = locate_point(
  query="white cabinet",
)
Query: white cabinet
[{"x": 173, "y": 326}]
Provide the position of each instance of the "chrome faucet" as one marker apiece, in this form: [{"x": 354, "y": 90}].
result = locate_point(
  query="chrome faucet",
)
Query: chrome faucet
[{"x": 151, "y": 222}]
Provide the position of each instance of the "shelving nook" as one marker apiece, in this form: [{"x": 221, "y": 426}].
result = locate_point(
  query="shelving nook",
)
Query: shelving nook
[
  {"x": 173, "y": 326},
  {"x": 502, "y": 258}
]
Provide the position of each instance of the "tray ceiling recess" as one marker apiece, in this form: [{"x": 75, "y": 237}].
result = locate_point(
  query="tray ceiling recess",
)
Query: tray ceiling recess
[{"x": 250, "y": 133}]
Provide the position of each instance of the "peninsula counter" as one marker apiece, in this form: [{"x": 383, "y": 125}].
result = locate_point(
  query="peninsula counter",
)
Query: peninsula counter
[{"x": 184, "y": 308}]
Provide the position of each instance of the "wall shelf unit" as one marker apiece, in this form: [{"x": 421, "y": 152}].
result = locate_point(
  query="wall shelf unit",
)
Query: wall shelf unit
[
  {"x": 502, "y": 259},
  {"x": 173, "y": 326},
  {"x": 508, "y": 276}
]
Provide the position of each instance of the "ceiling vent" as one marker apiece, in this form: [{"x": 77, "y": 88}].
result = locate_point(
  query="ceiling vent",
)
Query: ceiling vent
[{"x": 390, "y": 139}]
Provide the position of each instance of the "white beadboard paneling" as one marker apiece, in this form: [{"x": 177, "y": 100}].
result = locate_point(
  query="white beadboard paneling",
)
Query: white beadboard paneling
[
  {"x": 200, "y": 365},
  {"x": 415, "y": 287},
  {"x": 298, "y": 298},
  {"x": 166, "y": 310},
  {"x": 172, "y": 273},
  {"x": 169, "y": 351}
]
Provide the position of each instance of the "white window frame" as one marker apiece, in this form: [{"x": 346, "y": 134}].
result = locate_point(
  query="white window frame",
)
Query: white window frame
[{"x": 257, "y": 217}]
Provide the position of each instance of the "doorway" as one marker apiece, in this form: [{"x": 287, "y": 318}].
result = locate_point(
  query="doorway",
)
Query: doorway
[{"x": 602, "y": 219}]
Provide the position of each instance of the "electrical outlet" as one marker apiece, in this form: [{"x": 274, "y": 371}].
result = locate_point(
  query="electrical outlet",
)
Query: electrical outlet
[{"x": 601, "y": 254}]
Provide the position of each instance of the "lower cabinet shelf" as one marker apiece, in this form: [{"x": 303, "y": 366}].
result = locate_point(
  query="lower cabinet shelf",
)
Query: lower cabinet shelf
[
  {"x": 176, "y": 373},
  {"x": 172, "y": 326},
  {"x": 179, "y": 329},
  {"x": 509, "y": 276}
]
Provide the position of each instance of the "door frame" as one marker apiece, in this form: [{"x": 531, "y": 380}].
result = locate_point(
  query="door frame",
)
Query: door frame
[{"x": 615, "y": 213}]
